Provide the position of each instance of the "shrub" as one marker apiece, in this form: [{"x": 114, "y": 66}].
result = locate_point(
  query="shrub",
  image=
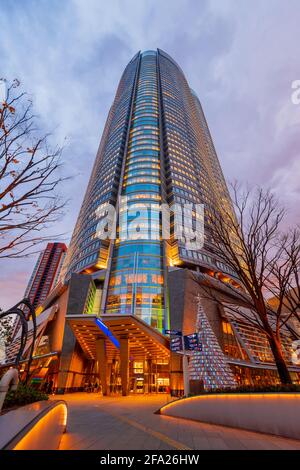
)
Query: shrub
[{"x": 24, "y": 395}]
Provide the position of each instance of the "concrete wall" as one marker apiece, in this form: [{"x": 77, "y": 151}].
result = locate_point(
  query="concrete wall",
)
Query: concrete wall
[
  {"x": 176, "y": 285},
  {"x": 78, "y": 291},
  {"x": 183, "y": 292},
  {"x": 183, "y": 305},
  {"x": 71, "y": 358},
  {"x": 55, "y": 330},
  {"x": 277, "y": 413}
]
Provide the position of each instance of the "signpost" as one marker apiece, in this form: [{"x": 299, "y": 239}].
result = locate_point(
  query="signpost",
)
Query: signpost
[
  {"x": 181, "y": 344},
  {"x": 191, "y": 342},
  {"x": 185, "y": 367},
  {"x": 176, "y": 344},
  {"x": 173, "y": 332}
]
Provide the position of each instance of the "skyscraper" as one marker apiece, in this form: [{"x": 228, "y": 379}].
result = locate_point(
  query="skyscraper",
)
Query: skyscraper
[
  {"x": 156, "y": 149},
  {"x": 44, "y": 276},
  {"x": 141, "y": 241},
  {"x": 45, "y": 273}
]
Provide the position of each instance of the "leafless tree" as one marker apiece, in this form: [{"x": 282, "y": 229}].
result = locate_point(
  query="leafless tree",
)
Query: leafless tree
[
  {"x": 283, "y": 283},
  {"x": 29, "y": 177},
  {"x": 249, "y": 241}
]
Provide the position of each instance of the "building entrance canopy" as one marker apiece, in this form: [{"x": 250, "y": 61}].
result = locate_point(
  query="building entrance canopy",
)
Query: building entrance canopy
[
  {"x": 144, "y": 341},
  {"x": 122, "y": 339}
]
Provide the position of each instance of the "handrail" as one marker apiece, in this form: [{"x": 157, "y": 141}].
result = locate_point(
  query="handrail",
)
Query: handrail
[{"x": 24, "y": 318}]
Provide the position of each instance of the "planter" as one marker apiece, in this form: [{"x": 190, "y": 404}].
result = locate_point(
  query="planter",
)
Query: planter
[
  {"x": 38, "y": 426},
  {"x": 272, "y": 413}
]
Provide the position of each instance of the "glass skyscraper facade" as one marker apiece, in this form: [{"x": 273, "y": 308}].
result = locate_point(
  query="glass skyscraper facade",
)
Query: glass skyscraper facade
[
  {"x": 136, "y": 273},
  {"x": 156, "y": 149}
]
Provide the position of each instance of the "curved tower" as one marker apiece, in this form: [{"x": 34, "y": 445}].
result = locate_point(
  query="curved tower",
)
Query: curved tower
[{"x": 156, "y": 149}]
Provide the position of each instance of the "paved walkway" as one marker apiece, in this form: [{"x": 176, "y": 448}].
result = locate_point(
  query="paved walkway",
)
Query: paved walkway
[{"x": 128, "y": 423}]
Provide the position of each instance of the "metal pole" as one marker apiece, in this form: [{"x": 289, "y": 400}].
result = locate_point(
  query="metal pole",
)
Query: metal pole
[{"x": 185, "y": 367}]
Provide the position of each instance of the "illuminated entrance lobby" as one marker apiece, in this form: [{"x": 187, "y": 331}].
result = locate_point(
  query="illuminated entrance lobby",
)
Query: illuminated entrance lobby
[{"x": 133, "y": 357}]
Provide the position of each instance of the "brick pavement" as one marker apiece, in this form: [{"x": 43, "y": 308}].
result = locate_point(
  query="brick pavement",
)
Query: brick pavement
[{"x": 129, "y": 423}]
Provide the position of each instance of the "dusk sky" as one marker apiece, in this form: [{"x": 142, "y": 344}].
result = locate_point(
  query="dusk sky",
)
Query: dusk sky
[{"x": 240, "y": 57}]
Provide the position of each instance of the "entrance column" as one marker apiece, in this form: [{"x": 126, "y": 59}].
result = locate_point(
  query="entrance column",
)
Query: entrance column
[
  {"x": 102, "y": 363},
  {"x": 124, "y": 364},
  {"x": 108, "y": 377},
  {"x": 149, "y": 371}
]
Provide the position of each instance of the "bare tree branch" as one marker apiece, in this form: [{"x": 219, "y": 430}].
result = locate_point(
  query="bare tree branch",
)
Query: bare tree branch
[{"x": 29, "y": 178}]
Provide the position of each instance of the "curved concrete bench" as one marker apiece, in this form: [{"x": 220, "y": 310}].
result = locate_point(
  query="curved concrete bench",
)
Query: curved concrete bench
[
  {"x": 38, "y": 426},
  {"x": 271, "y": 413}
]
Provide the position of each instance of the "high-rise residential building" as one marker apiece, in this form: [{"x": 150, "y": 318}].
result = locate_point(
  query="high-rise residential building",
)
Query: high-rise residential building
[
  {"x": 45, "y": 273},
  {"x": 156, "y": 149},
  {"x": 44, "y": 277}
]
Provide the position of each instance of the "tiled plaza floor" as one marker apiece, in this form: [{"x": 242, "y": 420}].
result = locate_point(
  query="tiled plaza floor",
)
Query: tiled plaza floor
[{"x": 127, "y": 423}]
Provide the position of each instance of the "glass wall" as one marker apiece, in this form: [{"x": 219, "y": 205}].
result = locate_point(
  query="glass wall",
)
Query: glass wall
[
  {"x": 136, "y": 284},
  {"x": 86, "y": 250}
]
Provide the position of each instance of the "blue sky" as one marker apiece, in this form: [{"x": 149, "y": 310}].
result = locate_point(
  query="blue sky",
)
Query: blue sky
[{"x": 240, "y": 57}]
